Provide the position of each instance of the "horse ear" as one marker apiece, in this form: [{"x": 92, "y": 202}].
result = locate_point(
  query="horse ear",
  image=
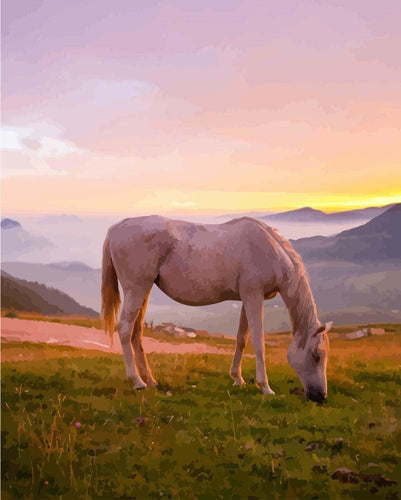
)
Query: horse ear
[{"x": 328, "y": 326}]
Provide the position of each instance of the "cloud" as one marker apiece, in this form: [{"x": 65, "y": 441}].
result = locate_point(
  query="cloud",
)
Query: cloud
[
  {"x": 26, "y": 152},
  {"x": 51, "y": 147},
  {"x": 12, "y": 138}
]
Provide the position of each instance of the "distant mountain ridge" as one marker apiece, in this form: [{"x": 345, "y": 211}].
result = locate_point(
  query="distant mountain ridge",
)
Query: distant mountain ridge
[
  {"x": 308, "y": 214},
  {"x": 378, "y": 239},
  {"x": 305, "y": 214},
  {"x": 9, "y": 224},
  {"x": 27, "y": 296},
  {"x": 74, "y": 266},
  {"x": 15, "y": 241}
]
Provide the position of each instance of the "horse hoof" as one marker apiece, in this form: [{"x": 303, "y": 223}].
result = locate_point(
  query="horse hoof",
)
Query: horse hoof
[
  {"x": 140, "y": 386},
  {"x": 152, "y": 383},
  {"x": 266, "y": 391},
  {"x": 239, "y": 382}
]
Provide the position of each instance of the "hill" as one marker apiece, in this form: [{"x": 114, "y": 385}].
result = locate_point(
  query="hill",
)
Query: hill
[
  {"x": 378, "y": 239},
  {"x": 21, "y": 295},
  {"x": 73, "y": 278}
]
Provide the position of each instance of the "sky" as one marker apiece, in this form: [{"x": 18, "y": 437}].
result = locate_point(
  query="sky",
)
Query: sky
[{"x": 167, "y": 107}]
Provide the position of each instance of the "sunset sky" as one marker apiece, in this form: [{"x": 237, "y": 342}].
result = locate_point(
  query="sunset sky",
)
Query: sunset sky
[{"x": 132, "y": 106}]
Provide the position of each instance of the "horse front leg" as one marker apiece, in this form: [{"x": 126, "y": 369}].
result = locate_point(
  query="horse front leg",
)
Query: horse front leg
[
  {"x": 242, "y": 340},
  {"x": 253, "y": 304}
]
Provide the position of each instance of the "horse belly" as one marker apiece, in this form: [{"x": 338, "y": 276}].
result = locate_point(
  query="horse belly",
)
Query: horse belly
[{"x": 197, "y": 282}]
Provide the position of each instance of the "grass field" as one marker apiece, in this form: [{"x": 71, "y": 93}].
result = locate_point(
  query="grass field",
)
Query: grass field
[{"x": 72, "y": 427}]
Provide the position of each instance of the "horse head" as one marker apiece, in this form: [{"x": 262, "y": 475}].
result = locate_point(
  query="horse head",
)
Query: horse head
[{"x": 307, "y": 355}]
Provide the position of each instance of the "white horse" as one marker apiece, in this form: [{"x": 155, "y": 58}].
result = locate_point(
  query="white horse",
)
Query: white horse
[{"x": 201, "y": 264}]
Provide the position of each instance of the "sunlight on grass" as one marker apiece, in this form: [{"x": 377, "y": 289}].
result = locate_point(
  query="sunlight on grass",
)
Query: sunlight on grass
[{"x": 196, "y": 436}]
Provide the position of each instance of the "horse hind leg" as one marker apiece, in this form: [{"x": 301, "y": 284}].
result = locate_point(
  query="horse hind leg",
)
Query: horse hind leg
[
  {"x": 131, "y": 310},
  {"x": 136, "y": 341},
  {"x": 242, "y": 340}
]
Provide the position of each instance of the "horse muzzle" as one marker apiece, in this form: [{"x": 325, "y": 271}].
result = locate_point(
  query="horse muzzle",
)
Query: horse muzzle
[{"x": 316, "y": 395}]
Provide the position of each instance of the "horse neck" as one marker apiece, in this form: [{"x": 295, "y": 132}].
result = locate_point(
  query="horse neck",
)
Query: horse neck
[{"x": 301, "y": 305}]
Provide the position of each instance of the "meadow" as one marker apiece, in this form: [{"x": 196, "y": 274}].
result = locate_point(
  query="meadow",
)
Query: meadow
[{"x": 72, "y": 427}]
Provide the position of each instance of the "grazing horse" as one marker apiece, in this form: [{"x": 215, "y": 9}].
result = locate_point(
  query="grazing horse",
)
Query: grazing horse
[{"x": 201, "y": 264}]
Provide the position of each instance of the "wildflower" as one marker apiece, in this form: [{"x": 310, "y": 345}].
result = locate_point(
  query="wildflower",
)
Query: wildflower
[
  {"x": 141, "y": 421},
  {"x": 78, "y": 425}
]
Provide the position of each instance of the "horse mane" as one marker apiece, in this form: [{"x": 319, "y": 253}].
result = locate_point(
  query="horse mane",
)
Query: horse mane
[{"x": 303, "y": 310}]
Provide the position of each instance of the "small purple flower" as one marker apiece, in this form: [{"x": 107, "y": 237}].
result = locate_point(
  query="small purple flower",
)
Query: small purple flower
[
  {"x": 141, "y": 421},
  {"x": 78, "y": 425}
]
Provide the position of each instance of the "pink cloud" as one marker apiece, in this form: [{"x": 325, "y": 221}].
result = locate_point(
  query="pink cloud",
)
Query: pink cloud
[{"x": 231, "y": 93}]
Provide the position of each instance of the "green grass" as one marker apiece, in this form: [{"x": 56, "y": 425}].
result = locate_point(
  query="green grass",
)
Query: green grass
[{"x": 205, "y": 440}]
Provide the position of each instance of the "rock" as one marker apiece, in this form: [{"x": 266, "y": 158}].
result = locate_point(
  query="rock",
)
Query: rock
[
  {"x": 320, "y": 469},
  {"x": 380, "y": 481},
  {"x": 312, "y": 446},
  {"x": 377, "y": 331},
  {"x": 357, "y": 334},
  {"x": 345, "y": 475}
]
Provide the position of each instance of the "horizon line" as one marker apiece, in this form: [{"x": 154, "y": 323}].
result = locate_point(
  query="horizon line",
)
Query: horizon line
[{"x": 189, "y": 213}]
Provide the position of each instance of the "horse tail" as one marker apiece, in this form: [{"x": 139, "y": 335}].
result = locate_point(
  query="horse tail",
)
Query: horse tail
[{"x": 110, "y": 295}]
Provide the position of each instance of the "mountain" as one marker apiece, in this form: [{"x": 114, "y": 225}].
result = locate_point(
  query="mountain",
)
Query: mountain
[
  {"x": 309, "y": 215},
  {"x": 15, "y": 241},
  {"x": 9, "y": 224},
  {"x": 73, "y": 266},
  {"x": 387, "y": 223},
  {"x": 378, "y": 239},
  {"x": 306, "y": 214},
  {"x": 28, "y": 296},
  {"x": 74, "y": 278},
  {"x": 361, "y": 214},
  {"x": 255, "y": 215},
  {"x": 339, "y": 285}
]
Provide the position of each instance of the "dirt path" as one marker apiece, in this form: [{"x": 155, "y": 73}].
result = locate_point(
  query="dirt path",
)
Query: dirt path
[{"x": 89, "y": 338}]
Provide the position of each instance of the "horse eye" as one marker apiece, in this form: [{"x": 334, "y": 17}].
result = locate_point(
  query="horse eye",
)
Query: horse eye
[{"x": 316, "y": 356}]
